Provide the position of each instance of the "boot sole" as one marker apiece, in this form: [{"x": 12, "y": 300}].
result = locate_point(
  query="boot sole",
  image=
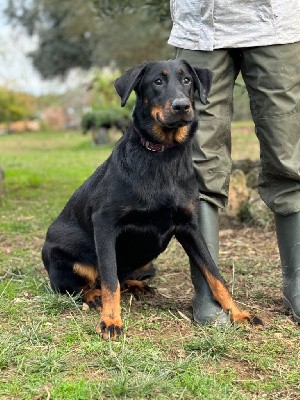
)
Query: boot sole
[{"x": 290, "y": 308}]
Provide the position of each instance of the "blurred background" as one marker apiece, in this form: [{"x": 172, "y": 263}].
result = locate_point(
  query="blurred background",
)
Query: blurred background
[{"x": 59, "y": 58}]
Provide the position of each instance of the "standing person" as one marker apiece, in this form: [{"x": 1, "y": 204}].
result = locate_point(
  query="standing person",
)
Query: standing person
[{"x": 260, "y": 39}]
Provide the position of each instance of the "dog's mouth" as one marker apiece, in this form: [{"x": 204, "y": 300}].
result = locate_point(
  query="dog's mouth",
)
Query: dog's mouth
[{"x": 172, "y": 123}]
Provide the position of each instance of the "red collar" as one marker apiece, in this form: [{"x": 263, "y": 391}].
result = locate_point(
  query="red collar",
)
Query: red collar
[{"x": 155, "y": 147}]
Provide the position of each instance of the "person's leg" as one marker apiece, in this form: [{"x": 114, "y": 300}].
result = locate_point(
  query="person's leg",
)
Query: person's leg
[
  {"x": 273, "y": 82},
  {"x": 212, "y": 161},
  {"x": 205, "y": 309},
  {"x": 288, "y": 236}
]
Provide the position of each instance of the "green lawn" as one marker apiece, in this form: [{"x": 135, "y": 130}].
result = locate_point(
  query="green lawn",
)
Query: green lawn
[{"x": 48, "y": 345}]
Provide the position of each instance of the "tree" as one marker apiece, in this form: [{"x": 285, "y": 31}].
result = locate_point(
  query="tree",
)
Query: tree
[
  {"x": 73, "y": 33},
  {"x": 15, "y": 106},
  {"x": 106, "y": 112}
]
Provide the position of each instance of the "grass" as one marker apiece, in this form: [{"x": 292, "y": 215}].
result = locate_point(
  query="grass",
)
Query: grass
[{"x": 48, "y": 348}]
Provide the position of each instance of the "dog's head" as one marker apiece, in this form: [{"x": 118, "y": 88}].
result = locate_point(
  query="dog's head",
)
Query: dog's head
[{"x": 165, "y": 96}]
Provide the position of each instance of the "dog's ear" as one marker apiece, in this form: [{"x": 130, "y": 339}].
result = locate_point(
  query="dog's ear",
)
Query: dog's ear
[
  {"x": 203, "y": 80},
  {"x": 203, "y": 83},
  {"x": 129, "y": 81}
]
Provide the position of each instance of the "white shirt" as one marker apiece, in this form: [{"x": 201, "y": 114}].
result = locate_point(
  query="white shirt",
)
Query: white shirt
[{"x": 214, "y": 24}]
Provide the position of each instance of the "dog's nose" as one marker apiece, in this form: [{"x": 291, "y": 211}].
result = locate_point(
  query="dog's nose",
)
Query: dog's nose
[{"x": 181, "y": 106}]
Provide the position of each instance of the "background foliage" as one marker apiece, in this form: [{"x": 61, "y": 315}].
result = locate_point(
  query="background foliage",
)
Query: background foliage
[
  {"x": 76, "y": 34},
  {"x": 15, "y": 106},
  {"x": 105, "y": 103},
  {"x": 92, "y": 33}
]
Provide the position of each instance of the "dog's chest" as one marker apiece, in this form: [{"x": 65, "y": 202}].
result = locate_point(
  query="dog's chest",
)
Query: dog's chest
[{"x": 161, "y": 219}]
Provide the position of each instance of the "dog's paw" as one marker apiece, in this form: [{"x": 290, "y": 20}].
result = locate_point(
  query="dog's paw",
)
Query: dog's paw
[
  {"x": 256, "y": 322},
  {"x": 137, "y": 288},
  {"x": 110, "y": 329},
  {"x": 243, "y": 317},
  {"x": 95, "y": 303},
  {"x": 92, "y": 297}
]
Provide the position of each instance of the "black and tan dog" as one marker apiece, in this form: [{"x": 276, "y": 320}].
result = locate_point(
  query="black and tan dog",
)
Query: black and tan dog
[{"x": 126, "y": 213}]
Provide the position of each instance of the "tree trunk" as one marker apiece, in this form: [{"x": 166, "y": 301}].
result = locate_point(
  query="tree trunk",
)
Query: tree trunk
[{"x": 100, "y": 136}]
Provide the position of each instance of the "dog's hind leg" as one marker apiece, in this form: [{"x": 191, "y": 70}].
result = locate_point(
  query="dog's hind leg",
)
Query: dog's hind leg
[
  {"x": 76, "y": 278},
  {"x": 137, "y": 288},
  {"x": 196, "y": 248},
  {"x": 90, "y": 293},
  {"x": 62, "y": 278},
  {"x": 142, "y": 273},
  {"x": 134, "y": 282}
]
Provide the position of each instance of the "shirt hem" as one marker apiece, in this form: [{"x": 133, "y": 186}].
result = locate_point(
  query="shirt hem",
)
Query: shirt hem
[{"x": 192, "y": 45}]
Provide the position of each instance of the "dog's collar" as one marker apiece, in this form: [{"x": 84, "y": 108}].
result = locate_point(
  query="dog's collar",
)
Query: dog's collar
[{"x": 155, "y": 147}]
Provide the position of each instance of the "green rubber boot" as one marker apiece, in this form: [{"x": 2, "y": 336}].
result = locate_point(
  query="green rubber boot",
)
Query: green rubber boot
[
  {"x": 288, "y": 236},
  {"x": 205, "y": 309}
]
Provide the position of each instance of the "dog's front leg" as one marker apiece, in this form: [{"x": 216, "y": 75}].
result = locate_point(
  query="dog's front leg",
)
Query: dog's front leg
[
  {"x": 110, "y": 325},
  {"x": 194, "y": 245}
]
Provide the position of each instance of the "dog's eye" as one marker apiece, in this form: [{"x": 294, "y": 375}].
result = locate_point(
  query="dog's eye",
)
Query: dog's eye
[
  {"x": 186, "y": 80},
  {"x": 158, "y": 81}
]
